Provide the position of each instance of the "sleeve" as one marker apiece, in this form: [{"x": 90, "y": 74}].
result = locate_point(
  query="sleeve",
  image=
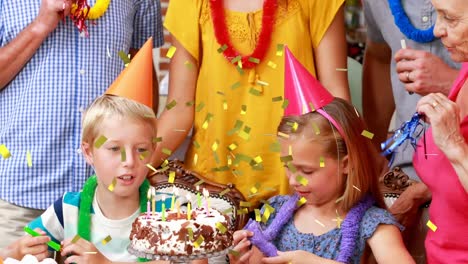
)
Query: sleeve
[
  {"x": 373, "y": 31},
  {"x": 321, "y": 15},
  {"x": 51, "y": 221},
  {"x": 375, "y": 217},
  {"x": 147, "y": 23},
  {"x": 186, "y": 30}
]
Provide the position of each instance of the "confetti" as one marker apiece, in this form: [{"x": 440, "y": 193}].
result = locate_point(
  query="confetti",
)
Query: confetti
[
  {"x": 285, "y": 103},
  {"x": 279, "y": 50},
  {"x": 190, "y": 232},
  {"x": 431, "y": 226},
  {"x": 172, "y": 175},
  {"x": 195, "y": 144},
  {"x": 232, "y": 147},
  {"x": 277, "y": 99},
  {"x": 255, "y": 92},
  {"x": 286, "y": 158},
  {"x": 167, "y": 151},
  {"x": 100, "y": 141},
  {"x": 243, "y": 110},
  {"x": 224, "y": 191},
  {"x": 221, "y": 227},
  {"x": 258, "y": 217},
  {"x": 302, "y": 201},
  {"x": 171, "y": 105},
  {"x": 179, "y": 130},
  {"x": 198, "y": 183},
  {"x": 254, "y": 60},
  {"x": 318, "y": 222},
  {"x": 29, "y": 158},
  {"x": 190, "y": 103},
  {"x": 157, "y": 139},
  {"x": 123, "y": 155},
  {"x": 354, "y": 186},
  {"x": 188, "y": 64},
  {"x": 124, "y": 57},
  {"x": 242, "y": 211},
  {"x": 200, "y": 106},
  {"x": 171, "y": 52},
  {"x": 258, "y": 159},
  {"x": 220, "y": 93},
  {"x": 316, "y": 128},
  {"x": 403, "y": 43},
  {"x": 262, "y": 83},
  {"x": 222, "y": 48},
  {"x": 90, "y": 252},
  {"x": 144, "y": 154},
  {"x": 255, "y": 188},
  {"x": 199, "y": 241},
  {"x": 342, "y": 69},
  {"x": 271, "y": 64},
  {"x": 195, "y": 159},
  {"x": 151, "y": 168},
  {"x": 112, "y": 185},
  {"x": 215, "y": 145},
  {"x": 228, "y": 211},
  {"x": 4, "y": 152},
  {"x": 283, "y": 135},
  {"x": 293, "y": 125},
  {"x": 239, "y": 69},
  {"x": 292, "y": 168},
  {"x": 106, "y": 240},
  {"x": 236, "y": 59},
  {"x": 275, "y": 147},
  {"x": 322, "y": 162},
  {"x": 245, "y": 204},
  {"x": 303, "y": 181},
  {"x": 225, "y": 105},
  {"x": 367, "y": 134},
  {"x": 234, "y": 253}
]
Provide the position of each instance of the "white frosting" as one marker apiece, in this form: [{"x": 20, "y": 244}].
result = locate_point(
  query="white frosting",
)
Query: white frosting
[{"x": 29, "y": 259}]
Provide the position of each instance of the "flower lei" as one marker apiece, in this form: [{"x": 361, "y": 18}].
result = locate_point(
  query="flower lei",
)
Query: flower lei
[
  {"x": 81, "y": 11},
  {"x": 349, "y": 228},
  {"x": 222, "y": 36},
  {"x": 404, "y": 24},
  {"x": 86, "y": 201}
]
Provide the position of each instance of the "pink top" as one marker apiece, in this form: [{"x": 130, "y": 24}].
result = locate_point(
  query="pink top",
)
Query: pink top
[{"x": 449, "y": 206}]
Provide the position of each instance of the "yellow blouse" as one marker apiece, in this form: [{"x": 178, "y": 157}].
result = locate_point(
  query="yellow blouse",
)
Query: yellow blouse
[{"x": 237, "y": 114}]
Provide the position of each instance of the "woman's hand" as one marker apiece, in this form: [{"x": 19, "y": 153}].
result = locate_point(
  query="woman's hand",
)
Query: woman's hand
[
  {"x": 406, "y": 207},
  {"x": 444, "y": 117},
  {"x": 82, "y": 252},
  {"x": 241, "y": 246},
  {"x": 27, "y": 244}
]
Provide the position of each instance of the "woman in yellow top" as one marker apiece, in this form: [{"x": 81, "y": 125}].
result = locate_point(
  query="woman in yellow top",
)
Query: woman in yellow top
[{"x": 226, "y": 78}]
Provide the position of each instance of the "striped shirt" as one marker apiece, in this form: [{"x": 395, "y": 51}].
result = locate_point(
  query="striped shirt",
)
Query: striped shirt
[
  {"x": 40, "y": 109},
  {"x": 60, "y": 221}
]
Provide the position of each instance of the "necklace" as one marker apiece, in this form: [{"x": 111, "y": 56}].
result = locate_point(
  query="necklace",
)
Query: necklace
[
  {"x": 222, "y": 35},
  {"x": 404, "y": 24},
  {"x": 86, "y": 201},
  {"x": 81, "y": 11}
]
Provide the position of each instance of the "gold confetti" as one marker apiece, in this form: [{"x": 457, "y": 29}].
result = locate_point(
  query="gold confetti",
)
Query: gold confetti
[
  {"x": 172, "y": 175},
  {"x": 157, "y": 139},
  {"x": 322, "y": 162},
  {"x": 171, "y": 105},
  {"x": 342, "y": 69},
  {"x": 262, "y": 83},
  {"x": 199, "y": 241},
  {"x": 290, "y": 150},
  {"x": 338, "y": 219},
  {"x": 123, "y": 155},
  {"x": 236, "y": 59},
  {"x": 195, "y": 159},
  {"x": 318, "y": 222},
  {"x": 431, "y": 225},
  {"x": 144, "y": 154},
  {"x": 179, "y": 130},
  {"x": 242, "y": 211},
  {"x": 90, "y": 252},
  {"x": 254, "y": 60},
  {"x": 316, "y": 128},
  {"x": 286, "y": 158},
  {"x": 198, "y": 183},
  {"x": 228, "y": 211},
  {"x": 243, "y": 110},
  {"x": 271, "y": 64},
  {"x": 367, "y": 134},
  {"x": 255, "y": 92},
  {"x": 112, "y": 185},
  {"x": 232, "y": 147},
  {"x": 222, "y": 48},
  {"x": 200, "y": 106},
  {"x": 292, "y": 168},
  {"x": 195, "y": 144},
  {"x": 277, "y": 99},
  {"x": 224, "y": 191},
  {"x": 283, "y": 135},
  {"x": 151, "y": 167},
  {"x": 235, "y": 85},
  {"x": 75, "y": 239},
  {"x": 29, "y": 158},
  {"x": 225, "y": 105},
  {"x": 354, "y": 186},
  {"x": 106, "y": 240},
  {"x": 190, "y": 232},
  {"x": 255, "y": 188},
  {"x": 171, "y": 52},
  {"x": 221, "y": 227},
  {"x": 303, "y": 181},
  {"x": 302, "y": 201},
  {"x": 234, "y": 253},
  {"x": 188, "y": 64},
  {"x": 285, "y": 103},
  {"x": 124, "y": 57},
  {"x": 403, "y": 43},
  {"x": 215, "y": 145},
  {"x": 190, "y": 103},
  {"x": 258, "y": 217},
  {"x": 100, "y": 141},
  {"x": 166, "y": 151},
  {"x": 266, "y": 215},
  {"x": 279, "y": 50},
  {"x": 4, "y": 152},
  {"x": 244, "y": 204}
]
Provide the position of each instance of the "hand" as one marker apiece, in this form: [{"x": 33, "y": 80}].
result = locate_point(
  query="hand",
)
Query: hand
[
  {"x": 293, "y": 257},
  {"x": 27, "y": 244},
  {"x": 406, "y": 207},
  {"x": 50, "y": 14},
  {"x": 242, "y": 246},
  {"x": 444, "y": 117},
  {"x": 423, "y": 72},
  {"x": 82, "y": 252}
]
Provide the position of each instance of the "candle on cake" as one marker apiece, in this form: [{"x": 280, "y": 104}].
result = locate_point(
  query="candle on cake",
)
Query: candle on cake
[
  {"x": 148, "y": 205},
  {"x": 189, "y": 207},
  {"x": 163, "y": 210}
]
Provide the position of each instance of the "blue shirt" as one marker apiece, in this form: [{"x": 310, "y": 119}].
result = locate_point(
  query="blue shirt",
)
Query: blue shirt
[
  {"x": 327, "y": 245},
  {"x": 40, "y": 109}
]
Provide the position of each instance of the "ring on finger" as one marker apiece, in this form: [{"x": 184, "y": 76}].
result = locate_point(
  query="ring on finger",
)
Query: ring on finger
[
  {"x": 434, "y": 104},
  {"x": 408, "y": 76}
]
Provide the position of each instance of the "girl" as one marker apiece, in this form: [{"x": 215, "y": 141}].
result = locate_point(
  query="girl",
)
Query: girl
[{"x": 333, "y": 173}]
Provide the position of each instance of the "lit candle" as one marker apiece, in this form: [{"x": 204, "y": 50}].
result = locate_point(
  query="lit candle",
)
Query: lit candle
[
  {"x": 198, "y": 197},
  {"x": 153, "y": 199},
  {"x": 148, "y": 206},
  {"x": 189, "y": 207},
  {"x": 174, "y": 190},
  {"x": 163, "y": 211},
  {"x": 206, "y": 194}
]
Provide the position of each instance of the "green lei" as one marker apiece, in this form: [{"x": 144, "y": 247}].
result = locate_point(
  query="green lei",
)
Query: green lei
[{"x": 86, "y": 200}]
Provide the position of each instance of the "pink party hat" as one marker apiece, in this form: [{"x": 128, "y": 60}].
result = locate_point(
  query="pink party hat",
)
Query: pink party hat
[{"x": 304, "y": 92}]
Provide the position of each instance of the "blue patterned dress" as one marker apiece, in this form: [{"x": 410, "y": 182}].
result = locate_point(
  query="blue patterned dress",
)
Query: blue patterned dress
[{"x": 328, "y": 244}]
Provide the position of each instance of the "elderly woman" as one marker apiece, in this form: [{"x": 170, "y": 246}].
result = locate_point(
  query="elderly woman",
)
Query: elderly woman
[{"x": 442, "y": 160}]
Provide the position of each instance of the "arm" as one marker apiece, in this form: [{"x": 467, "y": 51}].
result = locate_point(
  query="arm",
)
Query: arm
[
  {"x": 387, "y": 245},
  {"x": 427, "y": 73},
  {"x": 133, "y": 52},
  {"x": 405, "y": 208},
  {"x": 377, "y": 95},
  {"x": 330, "y": 55},
  {"x": 444, "y": 117},
  {"x": 19, "y": 51},
  {"x": 27, "y": 244},
  {"x": 182, "y": 86}
]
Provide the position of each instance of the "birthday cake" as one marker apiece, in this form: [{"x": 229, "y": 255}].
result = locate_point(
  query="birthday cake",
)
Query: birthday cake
[
  {"x": 29, "y": 259},
  {"x": 204, "y": 232}
]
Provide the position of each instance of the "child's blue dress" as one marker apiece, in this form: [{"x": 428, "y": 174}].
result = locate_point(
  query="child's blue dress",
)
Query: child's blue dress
[{"x": 327, "y": 245}]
